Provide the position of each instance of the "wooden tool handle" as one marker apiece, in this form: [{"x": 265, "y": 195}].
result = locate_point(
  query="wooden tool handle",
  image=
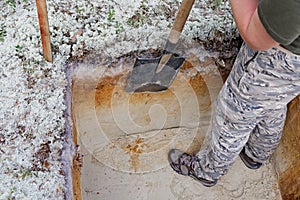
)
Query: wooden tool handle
[
  {"x": 44, "y": 28},
  {"x": 180, "y": 20}
]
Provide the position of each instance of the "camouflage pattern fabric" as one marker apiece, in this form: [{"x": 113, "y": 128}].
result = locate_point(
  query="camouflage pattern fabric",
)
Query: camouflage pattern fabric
[{"x": 250, "y": 110}]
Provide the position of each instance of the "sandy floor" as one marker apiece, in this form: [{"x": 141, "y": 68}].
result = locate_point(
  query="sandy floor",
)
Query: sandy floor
[{"x": 102, "y": 182}]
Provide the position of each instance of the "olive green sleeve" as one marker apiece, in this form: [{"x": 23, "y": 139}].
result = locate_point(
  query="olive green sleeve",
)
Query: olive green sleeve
[{"x": 281, "y": 19}]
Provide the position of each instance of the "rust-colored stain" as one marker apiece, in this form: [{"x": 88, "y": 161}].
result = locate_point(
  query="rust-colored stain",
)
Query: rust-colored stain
[
  {"x": 76, "y": 169},
  {"x": 104, "y": 90},
  {"x": 77, "y": 164},
  {"x": 135, "y": 150},
  {"x": 289, "y": 183},
  {"x": 289, "y": 180},
  {"x": 186, "y": 65},
  {"x": 198, "y": 84},
  {"x": 76, "y": 173}
]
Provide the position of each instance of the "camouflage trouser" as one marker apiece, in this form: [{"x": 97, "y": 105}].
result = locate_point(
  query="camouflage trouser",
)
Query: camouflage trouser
[{"x": 250, "y": 109}]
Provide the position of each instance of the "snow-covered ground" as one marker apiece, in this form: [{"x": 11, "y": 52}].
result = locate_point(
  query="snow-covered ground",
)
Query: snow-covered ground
[{"x": 33, "y": 150}]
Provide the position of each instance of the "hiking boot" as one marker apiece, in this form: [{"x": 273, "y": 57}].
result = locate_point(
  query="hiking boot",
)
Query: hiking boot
[
  {"x": 183, "y": 163},
  {"x": 249, "y": 162}
]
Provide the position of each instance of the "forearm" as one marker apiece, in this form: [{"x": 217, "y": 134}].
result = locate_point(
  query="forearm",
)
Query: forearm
[{"x": 249, "y": 25}]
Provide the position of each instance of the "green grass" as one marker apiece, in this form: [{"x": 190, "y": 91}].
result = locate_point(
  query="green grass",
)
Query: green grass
[
  {"x": 12, "y": 3},
  {"x": 19, "y": 48},
  {"x": 111, "y": 15},
  {"x": 119, "y": 27},
  {"x": 2, "y": 32},
  {"x": 216, "y": 3}
]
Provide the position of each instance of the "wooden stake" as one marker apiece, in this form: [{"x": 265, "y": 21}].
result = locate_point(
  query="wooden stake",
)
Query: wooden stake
[{"x": 44, "y": 28}]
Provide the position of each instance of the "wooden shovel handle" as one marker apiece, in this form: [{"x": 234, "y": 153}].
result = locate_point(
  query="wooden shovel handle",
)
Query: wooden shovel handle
[
  {"x": 180, "y": 20},
  {"x": 44, "y": 28}
]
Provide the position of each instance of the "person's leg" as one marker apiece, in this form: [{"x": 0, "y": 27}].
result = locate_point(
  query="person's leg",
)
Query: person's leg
[
  {"x": 259, "y": 82},
  {"x": 266, "y": 136},
  {"x": 233, "y": 120},
  {"x": 251, "y": 104}
]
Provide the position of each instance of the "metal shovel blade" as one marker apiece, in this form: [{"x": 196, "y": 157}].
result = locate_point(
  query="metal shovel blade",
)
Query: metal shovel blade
[{"x": 145, "y": 76}]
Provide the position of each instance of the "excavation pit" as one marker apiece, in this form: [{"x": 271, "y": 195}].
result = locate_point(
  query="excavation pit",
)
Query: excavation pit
[
  {"x": 124, "y": 138},
  {"x": 139, "y": 126}
]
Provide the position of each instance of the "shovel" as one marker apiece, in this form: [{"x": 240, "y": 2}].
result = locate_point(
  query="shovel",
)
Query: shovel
[{"x": 157, "y": 74}]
